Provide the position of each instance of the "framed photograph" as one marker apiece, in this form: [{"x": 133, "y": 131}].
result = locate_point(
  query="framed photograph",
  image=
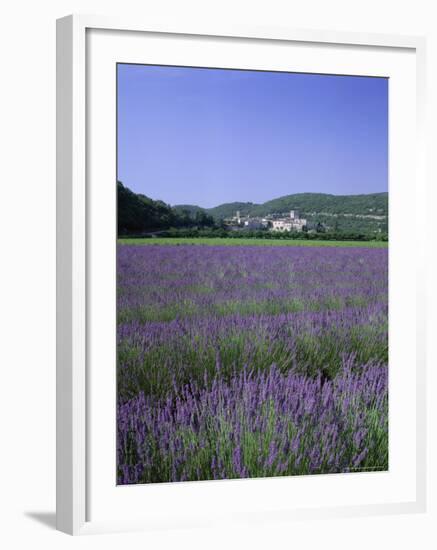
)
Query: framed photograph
[{"x": 240, "y": 275}]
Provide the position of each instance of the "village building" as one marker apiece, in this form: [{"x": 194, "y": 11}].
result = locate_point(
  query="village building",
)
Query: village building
[
  {"x": 291, "y": 223},
  {"x": 273, "y": 222},
  {"x": 246, "y": 222}
]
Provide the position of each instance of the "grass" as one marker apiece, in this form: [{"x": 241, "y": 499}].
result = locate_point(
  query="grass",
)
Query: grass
[
  {"x": 188, "y": 308},
  {"x": 248, "y": 242},
  {"x": 188, "y": 359}
]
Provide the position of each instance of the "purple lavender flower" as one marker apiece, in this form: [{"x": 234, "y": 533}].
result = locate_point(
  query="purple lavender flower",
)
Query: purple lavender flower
[{"x": 250, "y": 361}]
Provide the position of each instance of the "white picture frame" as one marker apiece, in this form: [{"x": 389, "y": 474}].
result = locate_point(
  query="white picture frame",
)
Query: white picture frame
[{"x": 75, "y": 215}]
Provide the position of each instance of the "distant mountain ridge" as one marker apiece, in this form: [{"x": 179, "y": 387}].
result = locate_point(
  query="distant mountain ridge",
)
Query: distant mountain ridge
[
  {"x": 366, "y": 213},
  {"x": 220, "y": 212},
  {"x": 307, "y": 203}
]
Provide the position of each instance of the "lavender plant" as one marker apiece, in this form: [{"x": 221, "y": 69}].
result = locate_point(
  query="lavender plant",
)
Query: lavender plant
[{"x": 247, "y": 362}]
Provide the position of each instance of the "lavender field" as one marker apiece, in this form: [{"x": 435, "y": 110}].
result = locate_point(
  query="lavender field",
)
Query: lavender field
[{"x": 247, "y": 361}]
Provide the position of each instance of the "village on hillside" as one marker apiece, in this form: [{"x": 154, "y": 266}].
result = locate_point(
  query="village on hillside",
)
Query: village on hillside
[{"x": 281, "y": 222}]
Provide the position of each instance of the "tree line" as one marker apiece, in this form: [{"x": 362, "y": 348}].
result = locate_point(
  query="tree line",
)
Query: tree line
[{"x": 138, "y": 214}]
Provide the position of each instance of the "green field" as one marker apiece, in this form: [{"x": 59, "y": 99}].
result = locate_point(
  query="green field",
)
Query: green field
[{"x": 248, "y": 242}]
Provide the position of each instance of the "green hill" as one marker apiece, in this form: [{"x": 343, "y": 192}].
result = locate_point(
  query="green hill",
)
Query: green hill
[
  {"x": 308, "y": 203},
  {"x": 229, "y": 209},
  {"x": 344, "y": 213},
  {"x": 138, "y": 214},
  {"x": 372, "y": 204},
  {"x": 192, "y": 209}
]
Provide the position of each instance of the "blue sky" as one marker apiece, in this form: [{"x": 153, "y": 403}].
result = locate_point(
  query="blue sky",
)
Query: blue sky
[{"x": 209, "y": 136}]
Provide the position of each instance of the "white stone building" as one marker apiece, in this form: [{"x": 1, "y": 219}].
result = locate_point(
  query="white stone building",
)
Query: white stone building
[{"x": 292, "y": 223}]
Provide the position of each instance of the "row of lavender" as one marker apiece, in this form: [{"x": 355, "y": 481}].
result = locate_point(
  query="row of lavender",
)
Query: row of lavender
[{"x": 248, "y": 361}]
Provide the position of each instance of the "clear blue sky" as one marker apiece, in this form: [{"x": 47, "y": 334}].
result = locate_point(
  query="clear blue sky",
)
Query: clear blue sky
[{"x": 209, "y": 136}]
